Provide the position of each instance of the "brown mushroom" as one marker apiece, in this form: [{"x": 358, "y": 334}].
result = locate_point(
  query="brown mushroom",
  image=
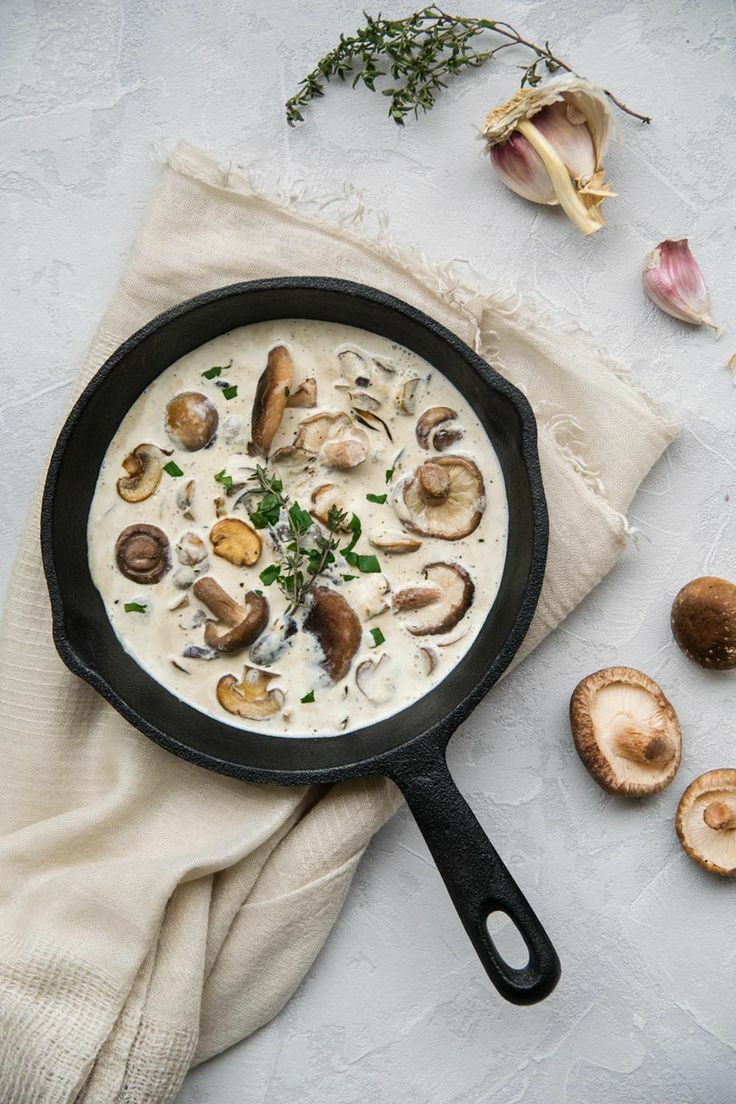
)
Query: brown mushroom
[
  {"x": 397, "y": 543},
  {"x": 294, "y": 461},
  {"x": 430, "y": 659},
  {"x": 250, "y": 698},
  {"x": 429, "y": 420},
  {"x": 244, "y": 622},
  {"x": 443, "y": 497},
  {"x": 235, "y": 541},
  {"x": 191, "y": 420},
  {"x": 625, "y": 731},
  {"x": 405, "y": 397},
  {"x": 142, "y": 553},
  {"x": 416, "y": 597},
  {"x": 305, "y": 395},
  {"x": 706, "y": 821},
  {"x": 270, "y": 400},
  {"x": 371, "y": 595},
  {"x": 444, "y": 610},
  {"x": 337, "y": 628},
  {"x": 143, "y": 466},
  {"x": 704, "y": 622}
]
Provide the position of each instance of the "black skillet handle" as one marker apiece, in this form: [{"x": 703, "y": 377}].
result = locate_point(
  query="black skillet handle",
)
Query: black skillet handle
[{"x": 476, "y": 878}]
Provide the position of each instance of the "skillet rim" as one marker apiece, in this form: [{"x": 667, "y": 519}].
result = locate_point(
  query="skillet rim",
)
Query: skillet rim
[{"x": 440, "y": 732}]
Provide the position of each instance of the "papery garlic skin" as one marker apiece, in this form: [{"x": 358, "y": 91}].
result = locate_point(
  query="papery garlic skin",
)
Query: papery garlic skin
[
  {"x": 674, "y": 283},
  {"x": 567, "y": 125}
]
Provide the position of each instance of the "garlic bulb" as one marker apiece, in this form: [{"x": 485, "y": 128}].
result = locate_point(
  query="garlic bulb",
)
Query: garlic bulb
[
  {"x": 547, "y": 144},
  {"x": 674, "y": 282}
]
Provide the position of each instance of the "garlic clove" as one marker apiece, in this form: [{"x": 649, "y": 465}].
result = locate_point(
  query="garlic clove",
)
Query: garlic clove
[
  {"x": 522, "y": 170},
  {"x": 674, "y": 283},
  {"x": 567, "y": 124}
]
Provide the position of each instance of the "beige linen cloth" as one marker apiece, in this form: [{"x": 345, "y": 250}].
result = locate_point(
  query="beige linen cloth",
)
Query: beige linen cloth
[{"x": 153, "y": 913}]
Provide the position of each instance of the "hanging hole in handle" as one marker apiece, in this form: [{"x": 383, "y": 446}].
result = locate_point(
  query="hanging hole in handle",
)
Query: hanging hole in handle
[{"x": 507, "y": 939}]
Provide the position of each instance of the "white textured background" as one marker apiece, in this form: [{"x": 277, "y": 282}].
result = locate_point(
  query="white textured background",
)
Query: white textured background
[{"x": 396, "y": 1008}]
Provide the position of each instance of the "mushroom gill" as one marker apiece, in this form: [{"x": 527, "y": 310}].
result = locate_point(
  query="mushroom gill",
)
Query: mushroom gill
[{"x": 443, "y": 497}]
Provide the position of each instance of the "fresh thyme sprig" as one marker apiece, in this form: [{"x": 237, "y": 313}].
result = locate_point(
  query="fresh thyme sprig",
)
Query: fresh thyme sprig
[
  {"x": 300, "y": 564},
  {"x": 420, "y": 52}
]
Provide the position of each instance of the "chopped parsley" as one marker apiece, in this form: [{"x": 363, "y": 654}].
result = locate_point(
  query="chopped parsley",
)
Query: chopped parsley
[
  {"x": 307, "y": 698},
  {"x": 270, "y": 574},
  {"x": 379, "y": 499},
  {"x": 134, "y": 607},
  {"x": 225, "y": 479},
  {"x": 378, "y": 637},
  {"x": 213, "y": 373},
  {"x": 348, "y": 578},
  {"x": 173, "y": 469},
  {"x": 230, "y": 392},
  {"x": 369, "y": 564},
  {"x": 287, "y": 392},
  {"x": 390, "y": 474}
]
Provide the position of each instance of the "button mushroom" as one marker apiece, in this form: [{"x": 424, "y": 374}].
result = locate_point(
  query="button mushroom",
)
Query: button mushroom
[
  {"x": 704, "y": 622},
  {"x": 305, "y": 395},
  {"x": 235, "y": 541},
  {"x": 191, "y": 549},
  {"x": 706, "y": 821},
  {"x": 191, "y": 420},
  {"x": 250, "y": 698},
  {"x": 142, "y": 553},
  {"x": 375, "y": 680},
  {"x": 143, "y": 467},
  {"x": 270, "y": 400},
  {"x": 429, "y": 420},
  {"x": 442, "y": 603},
  {"x": 245, "y": 622},
  {"x": 625, "y": 731},
  {"x": 442, "y": 498},
  {"x": 396, "y": 542},
  {"x": 337, "y": 628},
  {"x": 185, "y": 498}
]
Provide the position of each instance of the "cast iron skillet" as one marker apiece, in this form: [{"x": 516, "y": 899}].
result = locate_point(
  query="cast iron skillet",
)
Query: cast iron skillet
[{"x": 408, "y": 747}]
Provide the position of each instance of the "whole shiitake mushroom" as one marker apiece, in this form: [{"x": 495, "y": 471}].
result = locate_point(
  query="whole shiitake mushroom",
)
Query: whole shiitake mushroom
[{"x": 704, "y": 622}]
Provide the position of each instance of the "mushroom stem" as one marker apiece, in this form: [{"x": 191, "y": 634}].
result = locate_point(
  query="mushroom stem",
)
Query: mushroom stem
[
  {"x": 434, "y": 482},
  {"x": 721, "y": 815},
  {"x": 644, "y": 747}
]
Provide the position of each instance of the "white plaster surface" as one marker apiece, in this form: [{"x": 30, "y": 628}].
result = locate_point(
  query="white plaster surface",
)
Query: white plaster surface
[{"x": 396, "y": 1008}]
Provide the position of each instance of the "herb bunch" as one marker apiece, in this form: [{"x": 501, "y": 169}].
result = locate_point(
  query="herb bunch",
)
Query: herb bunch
[
  {"x": 419, "y": 53},
  {"x": 301, "y": 562}
]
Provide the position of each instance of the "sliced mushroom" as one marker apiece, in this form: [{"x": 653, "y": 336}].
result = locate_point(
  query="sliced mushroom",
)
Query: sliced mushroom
[
  {"x": 191, "y": 549},
  {"x": 397, "y": 543},
  {"x": 429, "y": 420},
  {"x": 355, "y": 369},
  {"x": 178, "y": 602},
  {"x": 235, "y": 541},
  {"x": 362, "y": 400},
  {"x": 270, "y": 400},
  {"x": 406, "y": 395},
  {"x": 429, "y": 658},
  {"x": 232, "y": 429},
  {"x": 305, "y": 394},
  {"x": 143, "y": 466},
  {"x": 453, "y": 602},
  {"x": 191, "y": 420},
  {"x": 185, "y": 498},
  {"x": 416, "y": 597},
  {"x": 271, "y": 645},
  {"x": 706, "y": 821},
  {"x": 704, "y": 622},
  {"x": 292, "y": 460},
  {"x": 312, "y": 432},
  {"x": 442, "y": 498},
  {"x": 625, "y": 731},
  {"x": 142, "y": 553},
  {"x": 245, "y": 622},
  {"x": 375, "y": 680},
  {"x": 337, "y": 628},
  {"x": 220, "y": 506},
  {"x": 346, "y": 449},
  {"x": 325, "y": 498},
  {"x": 372, "y": 596},
  {"x": 372, "y": 421},
  {"x": 445, "y": 436},
  {"x": 250, "y": 698}
]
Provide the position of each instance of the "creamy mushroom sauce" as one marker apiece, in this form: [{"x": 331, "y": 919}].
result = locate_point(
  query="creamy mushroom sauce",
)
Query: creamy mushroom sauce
[{"x": 158, "y": 637}]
